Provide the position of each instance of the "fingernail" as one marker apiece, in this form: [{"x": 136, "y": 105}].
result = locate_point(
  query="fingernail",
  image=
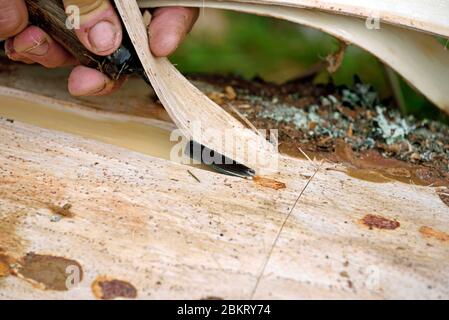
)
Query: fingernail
[
  {"x": 103, "y": 36},
  {"x": 94, "y": 91},
  {"x": 37, "y": 49}
]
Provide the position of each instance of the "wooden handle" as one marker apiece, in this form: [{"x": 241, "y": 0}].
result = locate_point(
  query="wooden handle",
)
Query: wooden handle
[{"x": 51, "y": 17}]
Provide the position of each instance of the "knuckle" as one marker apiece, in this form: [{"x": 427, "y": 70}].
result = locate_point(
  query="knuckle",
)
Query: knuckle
[{"x": 11, "y": 21}]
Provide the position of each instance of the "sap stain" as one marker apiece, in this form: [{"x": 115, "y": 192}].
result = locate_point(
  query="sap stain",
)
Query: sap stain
[
  {"x": 373, "y": 167},
  {"x": 211, "y": 298},
  {"x": 399, "y": 172},
  {"x": 49, "y": 272},
  {"x": 62, "y": 211},
  {"x": 5, "y": 263},
  {"x": 379, "y": 222},
  {"x": 367, "y": 175},
  {"x": 428, "y": 232},
  {"x": 9, "y": 239},
  {"x": 428, "y": 176},
  {"x": 269, "y": 183},
  {"x": 106, "y": 288}
]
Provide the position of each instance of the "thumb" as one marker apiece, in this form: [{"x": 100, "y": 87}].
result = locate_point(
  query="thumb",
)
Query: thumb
[{"x": 100, "y": 28}]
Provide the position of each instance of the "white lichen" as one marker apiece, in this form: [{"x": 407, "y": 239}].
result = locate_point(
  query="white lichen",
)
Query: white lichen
[{"x": 391, "y": 131}]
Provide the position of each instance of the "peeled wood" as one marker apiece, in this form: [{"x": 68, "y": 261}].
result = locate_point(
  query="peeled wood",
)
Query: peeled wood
[
  {"x": 423, "y": 15},
  {"x": 417, "y": 57},
  {"x": 149, "y": 222}
]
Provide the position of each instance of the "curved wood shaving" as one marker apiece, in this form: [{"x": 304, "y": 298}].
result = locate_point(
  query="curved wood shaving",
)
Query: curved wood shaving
[
  {"x": 425, "y": 15},
  {"x": 418, "y": 57}
]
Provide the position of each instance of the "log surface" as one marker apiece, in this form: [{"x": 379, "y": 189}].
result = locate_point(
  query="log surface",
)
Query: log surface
[
  {"x": 150, "y": 223},
  {"x": 119, "y": 214}
]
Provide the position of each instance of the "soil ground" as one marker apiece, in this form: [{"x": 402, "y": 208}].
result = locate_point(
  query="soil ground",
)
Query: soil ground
[{"x": 344, "y": 125}]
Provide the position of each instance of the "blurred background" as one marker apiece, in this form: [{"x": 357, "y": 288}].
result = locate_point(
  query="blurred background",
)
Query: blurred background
[{"x": 225, "y": 42}]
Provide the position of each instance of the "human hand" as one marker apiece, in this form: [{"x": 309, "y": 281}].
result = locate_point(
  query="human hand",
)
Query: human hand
[{"x": 100, "y": 32}]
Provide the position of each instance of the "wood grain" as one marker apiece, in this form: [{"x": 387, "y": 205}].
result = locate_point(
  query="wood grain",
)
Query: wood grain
[
  {"x": 153, "y": 226},
  {"x": 423, "y": 15}
]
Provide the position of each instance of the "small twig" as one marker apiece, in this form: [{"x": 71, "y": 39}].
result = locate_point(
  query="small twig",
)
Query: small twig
[
  {"x": 264, "y": 266},
  {"x": 304, "y": 154},
  {"x": 244, "y": 119},
  {"x": 393, "y": 79},
  {"x": 334, "y": 60},
  {"x": 194, "y": 177},
  {"x": 203, "y": 8},
  {"x": 413, "y": 185}
]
